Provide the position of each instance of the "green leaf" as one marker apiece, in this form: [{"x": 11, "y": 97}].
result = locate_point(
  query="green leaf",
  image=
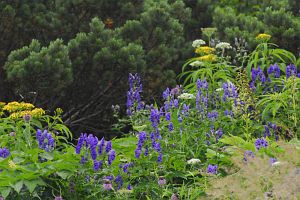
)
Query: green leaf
[
  {"x": 64, "y": 174},
  {"x": 18, "y": 186},
  {"x": 31, "y": 185},
  {"x": 140, "y": 128},
  {"x": 5, "y": 191},
  {"x": 47, "y": 155}
]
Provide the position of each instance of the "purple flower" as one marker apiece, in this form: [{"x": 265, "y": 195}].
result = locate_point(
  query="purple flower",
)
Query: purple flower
[
  {"x": 185, "y": 109},
  {"x": 101, "y": 146},
  {"x": 162, "y": 181},
  {"x": 198, "y": 98},
  {"x": 160, "y": 158},
  {"x": 58, "y": 198},
  {"x": 4, "y": 153},
  {"x": 270, "y": 69},
  {"x": 267, "y": 131},
  {"x": 205, "y": 84},
  {"x": 175, "y": 103},
  {"x": 248, "y": 154},
  {"x": 119, "y": 181},
  {"x": 205, "y": 101},
  {"x": 219, "y": 134},
  {"x": 179, "y": 119},
  {"x": 174, "y": 197},
  {"x": 291, "y": 70},
  {"x": 212, "y": 169},
  {"x": 146, "y": 153},
  {"x": 27, "y": 117},
  {"x": 257, "y": 73},
  {"x": 125, "y": 167},
  {"x": 231, "y": 114},
  {"x": 108, "y": 146},
  {"x": 276, "y": 70},
  {"x": 133, "y": 95},
  {"x": 166, "y": 94},
  {"x": 107, "y": 185},
  {"x": 93, "y": 141},
  {"x": 254, "y": 74},
  {"x": 252, "y": 85},
  {"x": 142, "y": 137},
  {"x": 272, "y": 161},
  {"x": 168, "y": 116},
  {"x": 199, "y": 84},
  {"x": 175, "y": 90},
  {"x": 157, "y": 147},
  {"x": 261, "y": 142},
  {"x": 83, "y": 160},
  {"x": 171, "y": 127},
  {"x": 155, "y": 118},
  {"x": 49, "y": 143},
  {"x": 137, "y": 153},
  {"x": 212, "y": 115},
  {"x": 110, "y": 178},
  {"x": 129, "y": 187},
  {"x": 226, "y": 112},
  {"x": 97, "y": 165},
  {"x": 111, "y": 156}
]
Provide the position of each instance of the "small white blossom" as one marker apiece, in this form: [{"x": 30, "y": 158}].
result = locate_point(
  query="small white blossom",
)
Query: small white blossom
[
  {"x": 198, "y": 43},
  {"x": 223, "y": 45},
  {"x": 186, "y": 96},
  {"x": 193, "y": 161},
  {"x": 276, "y": 163},
  {"x": 196, "y": 63}
]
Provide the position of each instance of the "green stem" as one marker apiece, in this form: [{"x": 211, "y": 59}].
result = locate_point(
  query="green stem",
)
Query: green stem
[{"x": 27, "y": 134}]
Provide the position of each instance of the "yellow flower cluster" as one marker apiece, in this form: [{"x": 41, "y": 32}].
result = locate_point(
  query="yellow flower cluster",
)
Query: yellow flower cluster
[
  {"x": 16, "y": 106},
  {"x": 58, "y": 111},
  {"x": 208, "y": 58},
  {"x": 204, "y": 50},
  {"x": 18, "y": 110},
  {"x": 37, "y": 112},
  {"x": 263, "y": 37}
]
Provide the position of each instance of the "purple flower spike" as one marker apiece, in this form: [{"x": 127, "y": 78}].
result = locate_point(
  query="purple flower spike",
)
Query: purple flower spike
[
  {"x": 261, "y": 143},
  {"x": 212, "y": 169}
]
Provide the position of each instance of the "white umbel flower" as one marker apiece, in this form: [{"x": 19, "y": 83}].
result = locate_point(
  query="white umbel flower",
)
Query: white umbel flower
[
  {"x": 198, "y": 43},
  {"x": 223, "y": 45},
  {"x": 196, "y": 63},
  {"x": 186, "y": 96},
  {"x": 193, "y": 161}
]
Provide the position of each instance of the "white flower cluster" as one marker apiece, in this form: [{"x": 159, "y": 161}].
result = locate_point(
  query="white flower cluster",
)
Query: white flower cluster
[
  {"x": 193, "y": 161},
  {"x": 186, "y": 96},
  {"x": 196, "y": 63},
  {"x": 198, "y": 43},
  {"x": 223, "y": 45}
]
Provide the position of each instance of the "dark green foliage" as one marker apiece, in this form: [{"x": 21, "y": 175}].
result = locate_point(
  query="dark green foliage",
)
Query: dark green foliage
[
  {"x": 44, "y": 70},
  {"x": 160, "y": 32},
  {"x": 101, "y": 58},
  {"x": 248, "y": 18}
]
